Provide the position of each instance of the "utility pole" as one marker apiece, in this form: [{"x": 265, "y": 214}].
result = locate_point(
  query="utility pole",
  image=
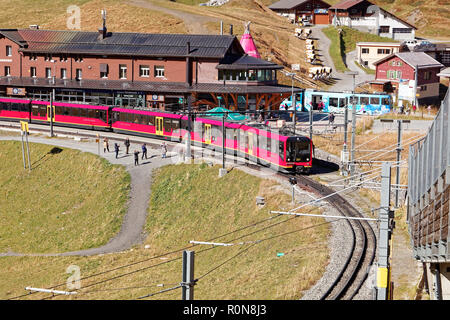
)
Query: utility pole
[
  {"x": 386, "y": 225},
  {"x": 352, "y": 164},
  {"x": 188, "y": 140},
  {"x": 52, "y": 100},
  {"x": 399, "y": 155},
  {"x": 311, "y": 123},
  {"x": 188, "y": 282}
]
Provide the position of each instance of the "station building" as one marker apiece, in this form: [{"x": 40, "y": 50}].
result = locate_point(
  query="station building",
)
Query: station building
[{"x": 137, "y": 70}]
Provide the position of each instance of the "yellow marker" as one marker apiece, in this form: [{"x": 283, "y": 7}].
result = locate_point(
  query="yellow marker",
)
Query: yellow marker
[
  {"x": 382, "y": 278},
  {"x": 24, "y": 126}
]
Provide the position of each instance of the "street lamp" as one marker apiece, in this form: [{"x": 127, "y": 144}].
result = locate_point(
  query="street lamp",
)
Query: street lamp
[{"x": 352, "y": 165}]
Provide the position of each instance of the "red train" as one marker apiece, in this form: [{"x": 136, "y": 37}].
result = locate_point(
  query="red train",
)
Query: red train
[{"x": 257, "y": 143}]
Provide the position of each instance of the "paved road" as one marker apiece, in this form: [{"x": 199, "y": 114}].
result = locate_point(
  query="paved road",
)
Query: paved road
[
  {"x": 344, "y": 81},
  {"x": 132, "y": 230}
]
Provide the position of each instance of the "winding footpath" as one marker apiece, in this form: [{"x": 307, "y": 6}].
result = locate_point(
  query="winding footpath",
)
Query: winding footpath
[{"x": 132, "y": 229}]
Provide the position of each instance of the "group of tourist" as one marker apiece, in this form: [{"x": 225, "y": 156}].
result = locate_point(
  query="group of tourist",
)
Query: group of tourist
[{"x": 136, "y": 152}]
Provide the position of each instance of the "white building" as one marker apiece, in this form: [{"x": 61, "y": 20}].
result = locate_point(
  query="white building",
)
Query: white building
[{"x": 365, "y": 16}]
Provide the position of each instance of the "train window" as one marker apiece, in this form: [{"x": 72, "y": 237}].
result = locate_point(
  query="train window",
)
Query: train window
[
  {"x": 364, "y": 100},
  {"x": 385, "y": 101},
  {"x": 15, "y": 107},
  {"x": 1, "y": 105},
  {"x": 167, "y": 124},
  {"x": 42, "y": 111},
  {"x": 298, "y": 151},
  {"x": 268, "y": 144},
  {"x": 58, "y": 110},
  {"x": 282, "y": 150},
  {"x": 101, "y": 115},
  {"x": 333, "y": 102},
  {"x": 91, "y": 113},
  {"x": 175, "y": 124},
  {"x": 83, "y": 112},
  {"x": 343, "y": 102},
  {"x": 151, "y": 120},
  {"x": 74, "y": 112},
  {"x": 134, "y": 117},
  {"x": 375, "y": 100},
  {"x": 142, "y": 119},
  {"x": 23, "y": 107}
]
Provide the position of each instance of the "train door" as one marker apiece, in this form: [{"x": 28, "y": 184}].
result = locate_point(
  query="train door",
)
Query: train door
[
  {"x": 250, "y": 143},
  {"x": 50, "y": 113},
  {"x": 207, "y": 134},
  {"x": 159, "y": 126}
]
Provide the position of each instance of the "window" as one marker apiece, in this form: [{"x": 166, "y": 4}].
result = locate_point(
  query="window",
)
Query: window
[
  {"x": 63, "y": 58},
  {"x": 342, "y": 102},
  {"x": 384, "y": 51},
  {"x": 375, "y": 100},
  {"x": 78, "y": 74},
  {"x": 427, "y": 75},
  {"x": 144, "y": 71},
  {"x": 384, "y": 29},
  {"x": 385, "y": 101},
  {"x": 423, "y": 88},
  {"x": 365, "y": 51},
  {"x": 333, "y": 102},
  {"x": 33, "y": 56},
  {"x": 33, "y": 72},
  {"x": 103, "y": 70},
  {"x": 7, "y": 71},
  {"x": 364, "y": 100},
  {"x": 48, "y": 57},
  {"x": 401, "y": 30},
  {"x": 63, "y": 73},
  {"x": 8, "y": 51},
  {"x": 122, "y": 71},
  {"x": 159, "y": 71},
  {"x": 48, "y": 72}
]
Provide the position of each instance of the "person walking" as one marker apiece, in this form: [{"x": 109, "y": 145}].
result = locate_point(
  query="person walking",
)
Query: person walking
[
  {"x": 105, "y": 145},
  {"x": 116, "y": 149},
  {"x": 127, "y": 144},
  {"x": 331, "y": 118},
  {"x": 136, "y": 157},
  {"x": 144, "y": 151},
  {"x": 164, "y": 150}
]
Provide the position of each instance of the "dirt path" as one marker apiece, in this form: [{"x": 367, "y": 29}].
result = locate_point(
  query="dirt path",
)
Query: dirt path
[
  {"x": 194, "y": 23},
  {"x": 132, "y": 229}
]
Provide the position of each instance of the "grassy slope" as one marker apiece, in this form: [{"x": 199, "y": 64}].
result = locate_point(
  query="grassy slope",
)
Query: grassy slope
[
  {"x": 122, "y": 17},
  {"x": 349, "y": 39},
  {"x": 54, "y": 208},
  {"x": 210, "y": 207}
]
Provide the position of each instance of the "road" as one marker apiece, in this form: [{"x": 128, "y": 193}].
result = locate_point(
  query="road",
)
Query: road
[{"x": 344, "y": 82}]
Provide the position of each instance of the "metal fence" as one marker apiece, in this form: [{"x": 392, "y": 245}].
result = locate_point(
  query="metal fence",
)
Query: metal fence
[{"x": 428, "y": 189}]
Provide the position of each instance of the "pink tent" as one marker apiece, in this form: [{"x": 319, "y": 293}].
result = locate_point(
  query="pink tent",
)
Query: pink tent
[{"x": 248, "y": 44}]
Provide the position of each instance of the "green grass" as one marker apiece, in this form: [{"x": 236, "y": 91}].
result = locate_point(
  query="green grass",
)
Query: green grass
[
  {"x": 55, "y": 207},
  {"x": 347, "y": 43},
  {"x": 366, "y": 70},
  {"x": 190, "y": 202}
]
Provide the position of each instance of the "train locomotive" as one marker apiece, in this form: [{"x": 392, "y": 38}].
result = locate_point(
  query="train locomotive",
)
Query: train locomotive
[{"x": 278, "y": 149}]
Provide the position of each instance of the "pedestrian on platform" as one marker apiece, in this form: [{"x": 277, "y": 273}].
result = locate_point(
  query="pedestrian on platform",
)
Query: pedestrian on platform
[
  {"x": 144, "y": 151},
  {"x": 127, "y": 144},
  {"x": 136, "y": 157},
  {"x": 164, "y": 150},
  {"x": 105, "y": 145},
  {"x": 331, "y": 118},
  {"x": 116, "y": 149}
]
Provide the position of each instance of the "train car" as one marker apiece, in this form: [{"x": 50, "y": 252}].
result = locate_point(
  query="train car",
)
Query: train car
[
  {"x": 371, "y": 104},
  {"x": 14, "y": 109},
  {"x": 257, "y": 143},
  {"x": 147, "y": 123},
  {"x": 71, "y": 115},
  {"x": 299, "y": 103}
]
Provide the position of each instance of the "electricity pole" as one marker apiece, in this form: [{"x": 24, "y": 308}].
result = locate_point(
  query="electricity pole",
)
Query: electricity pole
[
  {"x": 188, "y": 140},
  {"x": 352, "y": 164},
  {"x": 386, "y": 225},
  {"x": 187, "y": 285},
  {"x": 399, "y": 155}
]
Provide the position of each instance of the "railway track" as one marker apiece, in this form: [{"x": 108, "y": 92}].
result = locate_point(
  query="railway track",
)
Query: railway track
[{"x": 363, "y": 248}]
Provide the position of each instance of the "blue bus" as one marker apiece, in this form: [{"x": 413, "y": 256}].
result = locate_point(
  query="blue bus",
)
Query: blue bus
[{"x": 371, "y": 104}]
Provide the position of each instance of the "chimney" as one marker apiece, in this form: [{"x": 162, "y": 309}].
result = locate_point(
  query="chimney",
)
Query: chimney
[
  {"x": 103, "y": 31},
  {"x": 231, "y": 29},
  {"x": 34, "y": 26}
]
